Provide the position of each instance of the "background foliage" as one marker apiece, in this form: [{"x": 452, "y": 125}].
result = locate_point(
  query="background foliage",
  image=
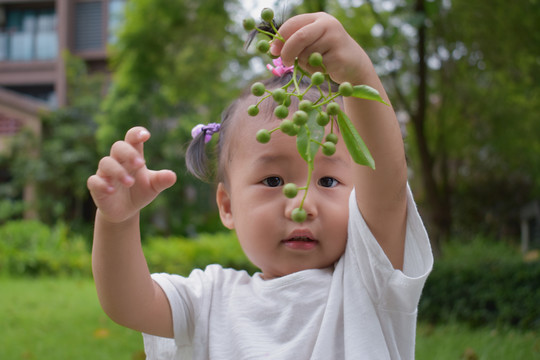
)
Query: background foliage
[
  {"x": 462, "y": 77},
  {"x": 59, "y": 163},
  {"x": 172, "y": 69},
  {"x": 478, "y": 282},
  {"x": 482, "y": 284}
]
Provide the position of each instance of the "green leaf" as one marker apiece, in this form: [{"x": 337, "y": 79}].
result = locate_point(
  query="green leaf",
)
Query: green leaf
[
  {"x": 367, "y": 92},
  {"x": 356, "y": 146},
  {"x": 311, "y": 130}
]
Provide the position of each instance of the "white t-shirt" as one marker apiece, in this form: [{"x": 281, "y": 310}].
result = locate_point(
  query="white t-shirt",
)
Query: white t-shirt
[{"x": 361, "y": 308}]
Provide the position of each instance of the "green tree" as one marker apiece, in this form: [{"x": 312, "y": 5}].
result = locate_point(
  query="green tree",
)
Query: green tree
[
  {"x": 62, "y": 159},
  {"x": 175, "y": 64},
  {"x": 494, "y": 96},
  {"x": 466, "y": 76}
]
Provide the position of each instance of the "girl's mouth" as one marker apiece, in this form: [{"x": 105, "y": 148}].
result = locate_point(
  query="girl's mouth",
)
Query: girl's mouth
[{"x": 300, "y": 243}]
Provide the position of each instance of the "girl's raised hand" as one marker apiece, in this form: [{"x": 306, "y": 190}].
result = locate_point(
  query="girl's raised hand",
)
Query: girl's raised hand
[
  {"x": 123, "y": 185},
  {"x": 319, "y": 32}
]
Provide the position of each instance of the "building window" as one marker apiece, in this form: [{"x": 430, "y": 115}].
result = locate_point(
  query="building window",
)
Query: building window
[
  {"x": 89, "y": 26},
  {"x": 44, "y": 93},
  {"x": 116, "y": 18},
  {"x": 28, "y": 34}
]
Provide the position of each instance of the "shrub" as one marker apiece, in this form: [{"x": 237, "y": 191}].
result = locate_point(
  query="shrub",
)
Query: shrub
[
  {"x": 494, "y": 289},
  {"x": 32, "y": 248},
  {"x": 180, "y": 255}
]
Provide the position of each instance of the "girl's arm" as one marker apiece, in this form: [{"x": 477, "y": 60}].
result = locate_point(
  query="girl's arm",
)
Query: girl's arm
[
  {"x": 121, "y": 186},
  {"x": 381, "y": 194}
]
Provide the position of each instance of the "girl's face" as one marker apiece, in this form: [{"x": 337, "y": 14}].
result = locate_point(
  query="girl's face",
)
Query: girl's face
[{"x": 252, "y": 201}]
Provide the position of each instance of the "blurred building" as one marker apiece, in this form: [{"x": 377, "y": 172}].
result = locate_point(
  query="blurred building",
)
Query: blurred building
[{"x": 33, "y": 36}]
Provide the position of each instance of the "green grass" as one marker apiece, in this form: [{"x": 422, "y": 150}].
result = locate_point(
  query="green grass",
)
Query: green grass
[
  {"x": 60, "y": 318},
  {"x": 456, "y": 341}
]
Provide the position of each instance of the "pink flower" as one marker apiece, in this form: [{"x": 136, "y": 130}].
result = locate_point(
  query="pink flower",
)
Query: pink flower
[{"x": 279, "y": 69}]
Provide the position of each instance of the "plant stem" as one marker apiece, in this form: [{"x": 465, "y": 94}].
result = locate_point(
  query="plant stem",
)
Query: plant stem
[
  {"x": 310, "y": 167},
  {"x": 310, "y": 172},
  {"x": 264, "y": 98},
  {"x": 295, "y": 69},
  {"x": 277, "y": 35}
]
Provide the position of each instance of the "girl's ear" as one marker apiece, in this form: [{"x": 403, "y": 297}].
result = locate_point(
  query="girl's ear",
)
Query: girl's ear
[{"x": 223, "y": 200}]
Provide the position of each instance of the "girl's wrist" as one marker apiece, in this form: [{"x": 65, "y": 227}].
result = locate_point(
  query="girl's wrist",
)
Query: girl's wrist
[{"x": 107, "y": 221}]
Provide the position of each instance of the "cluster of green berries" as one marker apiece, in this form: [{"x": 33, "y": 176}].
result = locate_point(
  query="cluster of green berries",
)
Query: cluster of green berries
[{"x": 323, "y": 111}]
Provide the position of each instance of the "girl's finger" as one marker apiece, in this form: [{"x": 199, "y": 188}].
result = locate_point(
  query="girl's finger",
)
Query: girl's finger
[
  {"x": 136, "y": 137},
  {"x": 303, "y": 57},
  {"x": 288, "y": 28},
  {"x": 98, "y": 185},
  {"x": 162, "y": 179},
  {"x": 306, "y": 36},
  {"x": 112, "y": 171},
  {"x": 127, "y": 156}
]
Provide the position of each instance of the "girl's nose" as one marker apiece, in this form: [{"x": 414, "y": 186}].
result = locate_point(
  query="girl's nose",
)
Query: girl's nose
[{"x": 309, "y": 204}]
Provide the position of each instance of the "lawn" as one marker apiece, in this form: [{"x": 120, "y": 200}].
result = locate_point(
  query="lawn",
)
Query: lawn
[
  {"x": 456, "y": 342},
  {"x": 61, "y": 319}
]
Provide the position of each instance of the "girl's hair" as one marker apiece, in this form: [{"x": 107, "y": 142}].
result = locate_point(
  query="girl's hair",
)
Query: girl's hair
[{"x": 197, "y": 160}]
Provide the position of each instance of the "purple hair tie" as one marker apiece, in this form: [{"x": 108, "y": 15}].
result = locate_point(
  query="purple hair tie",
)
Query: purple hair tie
[
  {"x": 279, "y": 69},
  {"x": 208, "y": 130}
]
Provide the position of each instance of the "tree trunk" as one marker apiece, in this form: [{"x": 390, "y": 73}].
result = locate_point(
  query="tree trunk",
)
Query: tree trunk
[{"x": 439, "y": 220}]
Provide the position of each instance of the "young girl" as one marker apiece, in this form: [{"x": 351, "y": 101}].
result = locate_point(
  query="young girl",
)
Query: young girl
[{"x": 343, "y": 284}]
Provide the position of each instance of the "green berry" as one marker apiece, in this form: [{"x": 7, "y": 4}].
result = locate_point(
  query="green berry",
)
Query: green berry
[
  {"x": 333, "y": 108},
  {"x": 328, "y": 148},
  {"x": 267, "y": 14},
  {"x": 295, "y": 130},
  {"x": 315, "y": 59},
  {"x": 290, "y": 190},
  {"x": 263, "y": 136},
  {"x": 332, "y": 138},
  {"x": 287, "y": 127},
  {"x": 346, "y": 89},
  {"x": 287, "y": 101},
  {"x": 253, "y": 110},
  {"x": 249, "y": 24},
  {"x": 279, "y": 95},
  {"x": 258, "y": 89},
  {"x": 305, "y": 105},
  {"x": 281, "y": 111},
  {"x": 317, "y": 78},
  {"x": 300, "y": 117},
  {"x": 322, "y": 119},
  {"x": 263, "y": 46},
  {"x": 299, "y": 215}
]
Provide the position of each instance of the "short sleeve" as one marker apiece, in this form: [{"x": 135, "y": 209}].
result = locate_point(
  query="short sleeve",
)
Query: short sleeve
[
  {"x": 185, "y": 296},
  {"x": 390, "y": 288}
]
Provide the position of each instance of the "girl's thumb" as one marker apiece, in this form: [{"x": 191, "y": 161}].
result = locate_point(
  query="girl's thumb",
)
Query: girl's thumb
[{"x": 162, "y": 179}]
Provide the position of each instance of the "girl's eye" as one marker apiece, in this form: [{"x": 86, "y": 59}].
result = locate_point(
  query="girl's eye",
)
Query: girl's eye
[
  {"x": 328, "y": 182},
  {"x": 273, "y": 181}
]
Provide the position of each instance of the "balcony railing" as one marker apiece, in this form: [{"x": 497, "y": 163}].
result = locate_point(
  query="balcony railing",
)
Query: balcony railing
[{"x": 28, "y": 46}]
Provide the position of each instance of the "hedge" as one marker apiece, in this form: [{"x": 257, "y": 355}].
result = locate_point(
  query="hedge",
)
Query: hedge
[
  {"x": 179, "y": 255},
  {"x": 31, "y": 248},
  {"x": 483, "y": 293},
  {"x": 479, "y": 283}
]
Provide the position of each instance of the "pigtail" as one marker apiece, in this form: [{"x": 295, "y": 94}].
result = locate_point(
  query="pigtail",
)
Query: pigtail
[{"x": 197, "y": 161}]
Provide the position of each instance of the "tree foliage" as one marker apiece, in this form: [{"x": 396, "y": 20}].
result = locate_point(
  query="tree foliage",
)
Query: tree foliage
[
  {"x": 483, "y": 127},
  {"x": 59, "y": 163},
  {"x": 466, "y": 75},
  {"x": 175, "y": 64}
]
